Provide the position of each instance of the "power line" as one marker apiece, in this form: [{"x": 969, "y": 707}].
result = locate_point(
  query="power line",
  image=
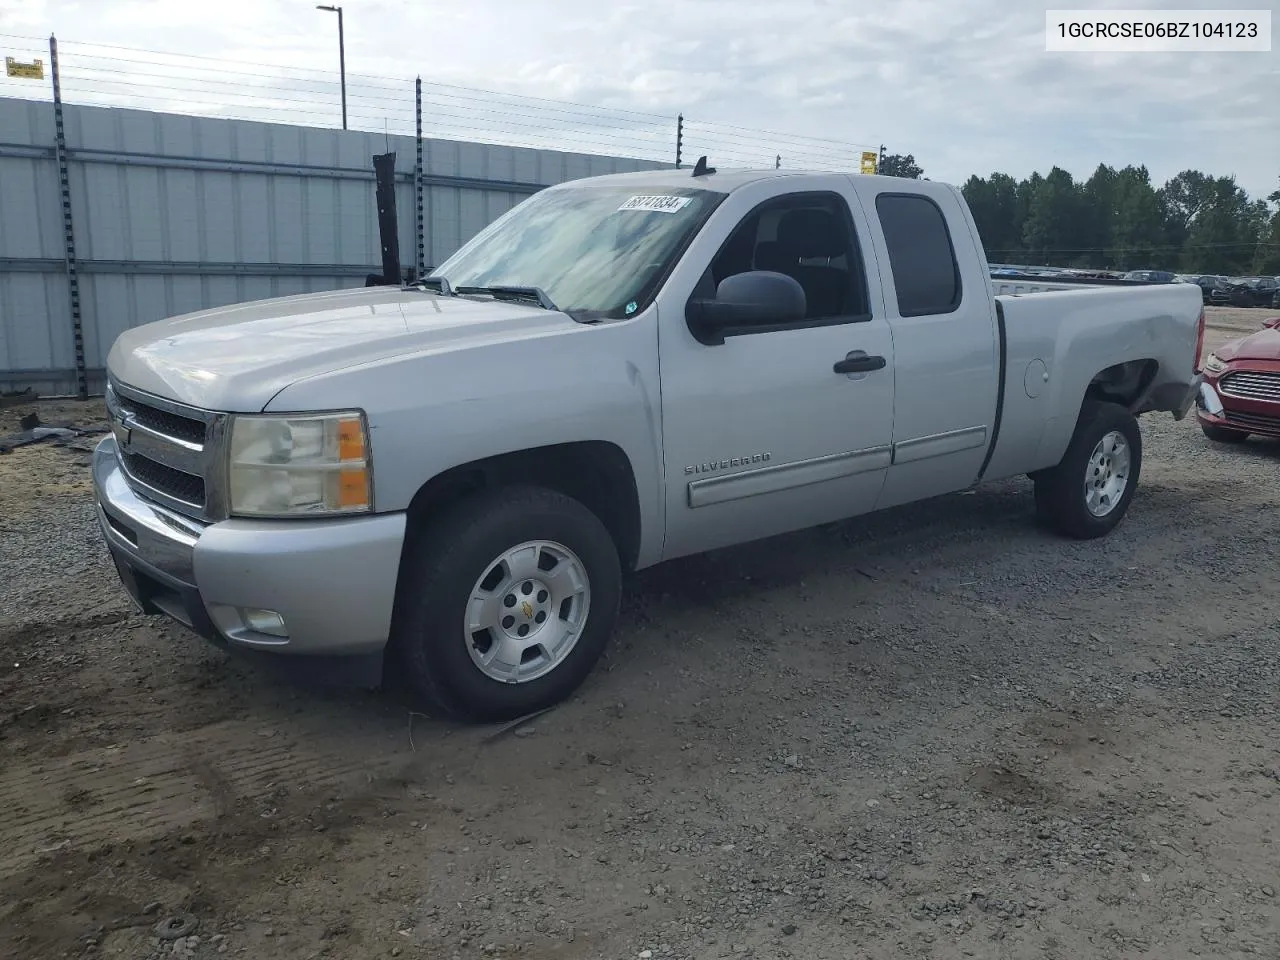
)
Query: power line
[
  {"x": 793, "y": 136},
  {"x": 201, "y": 81},
  {"x": 404, "y": 111},
  {"x": 225, "y": 62}
]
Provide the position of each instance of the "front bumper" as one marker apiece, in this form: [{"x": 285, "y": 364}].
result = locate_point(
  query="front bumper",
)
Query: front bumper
[
  {"x": 1218, "y": 409},
  {"x": 332, "y": 581}
]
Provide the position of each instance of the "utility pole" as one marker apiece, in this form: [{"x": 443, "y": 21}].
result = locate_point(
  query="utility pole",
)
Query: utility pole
[{"x": 342, "y": 59}]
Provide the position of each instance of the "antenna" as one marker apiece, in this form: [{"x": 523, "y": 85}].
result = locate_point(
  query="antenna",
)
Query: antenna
[{"x": 700, "y": 169}]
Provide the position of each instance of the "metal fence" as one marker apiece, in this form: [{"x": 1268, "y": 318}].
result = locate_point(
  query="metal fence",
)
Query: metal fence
[{"x": 146, "y": 215}]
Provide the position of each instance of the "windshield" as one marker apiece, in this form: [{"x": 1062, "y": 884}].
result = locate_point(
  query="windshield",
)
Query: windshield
[{"x": 596, "y": 251}]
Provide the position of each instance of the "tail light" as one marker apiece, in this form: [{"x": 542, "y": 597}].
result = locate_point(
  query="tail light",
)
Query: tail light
[{"x": 1199, "y": 339}]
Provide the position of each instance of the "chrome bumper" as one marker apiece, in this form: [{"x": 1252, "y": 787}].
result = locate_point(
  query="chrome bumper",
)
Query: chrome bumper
[
  {"x": 332, "y": 581},
  {"x": 1209, "y": 402}
]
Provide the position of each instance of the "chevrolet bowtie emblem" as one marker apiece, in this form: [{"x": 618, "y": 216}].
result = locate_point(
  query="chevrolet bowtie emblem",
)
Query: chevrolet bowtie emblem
[{"x": 527, "y": 608}]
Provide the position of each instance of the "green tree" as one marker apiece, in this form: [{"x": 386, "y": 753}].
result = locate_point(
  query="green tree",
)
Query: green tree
[
  {"x": 1098, "y": 207},
  {"x": 994, "y": 203},
  {"x": 1181, "y": 200},
  {"x": 1268, "y": 258},
  {"x": 1118, "y": 219},
  {"x": 897, "y": 165},
  {"x": 1024, "y": 195},
  {"x": 1137, "y": 224},
  {"x": 1052, "y": 229},
  {"x": 1223, "y": 235}
]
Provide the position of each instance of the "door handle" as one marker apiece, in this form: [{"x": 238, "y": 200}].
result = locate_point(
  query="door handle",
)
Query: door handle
[{"x": 859, "y": 362}]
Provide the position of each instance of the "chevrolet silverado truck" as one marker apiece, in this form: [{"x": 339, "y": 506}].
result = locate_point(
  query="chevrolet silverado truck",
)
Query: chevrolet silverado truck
[{"x": 447, "y": 481}]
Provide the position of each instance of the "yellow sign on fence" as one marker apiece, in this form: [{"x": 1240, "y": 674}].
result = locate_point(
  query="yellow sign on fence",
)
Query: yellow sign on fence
[
  {"x": 869, "y": 158},
  {"x": 27, "y": 71}
]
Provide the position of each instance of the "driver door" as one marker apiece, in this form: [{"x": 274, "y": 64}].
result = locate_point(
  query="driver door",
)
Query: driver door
[{"x": 761, "y": 433}]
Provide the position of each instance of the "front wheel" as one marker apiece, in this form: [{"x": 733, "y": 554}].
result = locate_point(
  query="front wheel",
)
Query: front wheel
[
  {"x": 506, "y": 604},
  {"x": 1088, "y": 493},
  {"x": 1222, "y": 434}
]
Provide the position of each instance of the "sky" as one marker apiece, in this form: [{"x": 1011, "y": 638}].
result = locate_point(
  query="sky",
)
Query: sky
[{"x": 966, "y": 86}]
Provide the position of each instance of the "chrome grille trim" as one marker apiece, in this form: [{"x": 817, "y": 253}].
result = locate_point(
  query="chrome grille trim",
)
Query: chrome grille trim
[
  {"x": 164, "y": 450},
  {"x": 1251, "y": 385},
  {"x": 162, "y": 436}
]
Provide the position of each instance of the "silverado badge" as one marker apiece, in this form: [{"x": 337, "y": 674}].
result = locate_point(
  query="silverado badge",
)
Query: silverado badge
[{"x": 726, "y": 464}]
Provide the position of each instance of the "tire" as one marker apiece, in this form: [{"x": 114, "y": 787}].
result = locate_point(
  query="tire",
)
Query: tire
[
  {"x": 1222, "y": 434},
  {"x": 449, "y": 559},
  {"x": 1063, "y": 492}
]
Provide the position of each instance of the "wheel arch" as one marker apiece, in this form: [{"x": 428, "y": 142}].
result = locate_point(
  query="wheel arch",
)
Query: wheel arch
[
  {"x": 596, "y": 473},
  {"x": 1125, "y": 383}
]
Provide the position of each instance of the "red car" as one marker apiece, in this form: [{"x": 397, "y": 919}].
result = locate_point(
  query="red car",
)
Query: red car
[{"x": 1240, "y": 393}]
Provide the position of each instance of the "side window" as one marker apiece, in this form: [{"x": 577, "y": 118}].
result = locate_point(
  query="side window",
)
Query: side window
[
  {"x": 921, "y": 256},
  {"x": 810, "y": 238}
]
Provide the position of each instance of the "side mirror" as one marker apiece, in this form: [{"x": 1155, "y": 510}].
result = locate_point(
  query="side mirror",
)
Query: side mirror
[
  {"x": 1272, "y": 323},
  {"x": 754, "y": 298}
]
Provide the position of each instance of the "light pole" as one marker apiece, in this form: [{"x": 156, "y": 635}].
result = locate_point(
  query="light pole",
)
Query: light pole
[{"x": 342, "y": 59}]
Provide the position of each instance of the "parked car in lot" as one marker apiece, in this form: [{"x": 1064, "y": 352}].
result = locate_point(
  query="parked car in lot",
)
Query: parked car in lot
[
  {"x": 450, "y": 479},
  {"x": 1252, "y": 291},
  {"x": 1214, "y": 290},
  {"x": 1263, "y": 289},
  {"x": 1150, "y": 276},
  {"x": 1240, "y": 394}
]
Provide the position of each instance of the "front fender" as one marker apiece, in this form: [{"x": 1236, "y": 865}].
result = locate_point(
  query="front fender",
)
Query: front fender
[{"x": 436, "y": 409}]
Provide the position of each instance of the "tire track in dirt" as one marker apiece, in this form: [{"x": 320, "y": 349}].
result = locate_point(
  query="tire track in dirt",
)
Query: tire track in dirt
[{"x": 150, "y": 787}]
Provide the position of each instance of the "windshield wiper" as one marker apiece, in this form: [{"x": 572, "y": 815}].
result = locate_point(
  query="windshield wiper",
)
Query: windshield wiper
[
  {"x": 441, "y": 285},
  {"x": 523, "y": 294}
]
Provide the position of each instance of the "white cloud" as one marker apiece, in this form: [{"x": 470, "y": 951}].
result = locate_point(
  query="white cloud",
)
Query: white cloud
[{"x": 966, "y": 87}]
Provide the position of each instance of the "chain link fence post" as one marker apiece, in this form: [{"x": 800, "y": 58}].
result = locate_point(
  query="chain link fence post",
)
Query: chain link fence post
[
  {"x": 68, "y": 231},
  {"x": 420, "y": 265}
]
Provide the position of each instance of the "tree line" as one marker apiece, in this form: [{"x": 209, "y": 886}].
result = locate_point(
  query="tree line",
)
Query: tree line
[{"x": 1119, "y": 220}]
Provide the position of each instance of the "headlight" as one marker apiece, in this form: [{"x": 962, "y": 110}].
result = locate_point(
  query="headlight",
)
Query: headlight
[
  {"x": 1214, "y": 364},
  {"x": 306, "y": 464}
]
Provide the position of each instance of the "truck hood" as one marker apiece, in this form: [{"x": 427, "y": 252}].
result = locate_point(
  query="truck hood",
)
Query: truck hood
[
  {"x": 236, "y": 358},
  {"x": 1263, "y": 345}
]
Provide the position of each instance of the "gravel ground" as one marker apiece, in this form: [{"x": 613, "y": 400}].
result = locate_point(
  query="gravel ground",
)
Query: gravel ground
[{"x": 937, "y": 732}]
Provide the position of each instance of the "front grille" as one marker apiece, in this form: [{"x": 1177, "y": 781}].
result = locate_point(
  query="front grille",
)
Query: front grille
[
  {"x": 166, "y": 449},
  {"x": 1253, "y": 421},
  {"x": 170, "y": 424},
  {"x": 173, "y": 483},
  {"x": 1250, "y": 385}
]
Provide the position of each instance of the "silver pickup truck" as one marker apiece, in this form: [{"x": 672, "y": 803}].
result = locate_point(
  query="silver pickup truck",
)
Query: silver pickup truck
[{"x": 448, "y": 481}]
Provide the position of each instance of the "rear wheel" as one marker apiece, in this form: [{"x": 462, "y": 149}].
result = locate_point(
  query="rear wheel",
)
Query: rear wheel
[
  {"x": 1222, "y": 434},
  {"x": 1088, "y": 493},
  {"x": 506, "y": 604}
]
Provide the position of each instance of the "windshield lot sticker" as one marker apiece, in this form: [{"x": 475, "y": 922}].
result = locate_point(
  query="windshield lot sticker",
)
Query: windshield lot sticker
[{"x": 656, "y": 204}]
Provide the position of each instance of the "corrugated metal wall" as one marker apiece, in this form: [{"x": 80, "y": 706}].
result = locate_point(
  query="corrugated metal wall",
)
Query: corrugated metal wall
[{"x": 175, "y": 213}]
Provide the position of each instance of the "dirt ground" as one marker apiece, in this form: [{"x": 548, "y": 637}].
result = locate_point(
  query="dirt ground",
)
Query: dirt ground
[{"x": 937, "y": 732}]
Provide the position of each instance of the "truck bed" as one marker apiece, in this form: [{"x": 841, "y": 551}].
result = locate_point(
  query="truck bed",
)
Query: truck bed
[{"x": 1140, "y": 338}]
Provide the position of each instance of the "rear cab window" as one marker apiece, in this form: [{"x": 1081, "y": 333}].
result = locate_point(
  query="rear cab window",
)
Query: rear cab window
[{"x": 922, "y": 257}]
